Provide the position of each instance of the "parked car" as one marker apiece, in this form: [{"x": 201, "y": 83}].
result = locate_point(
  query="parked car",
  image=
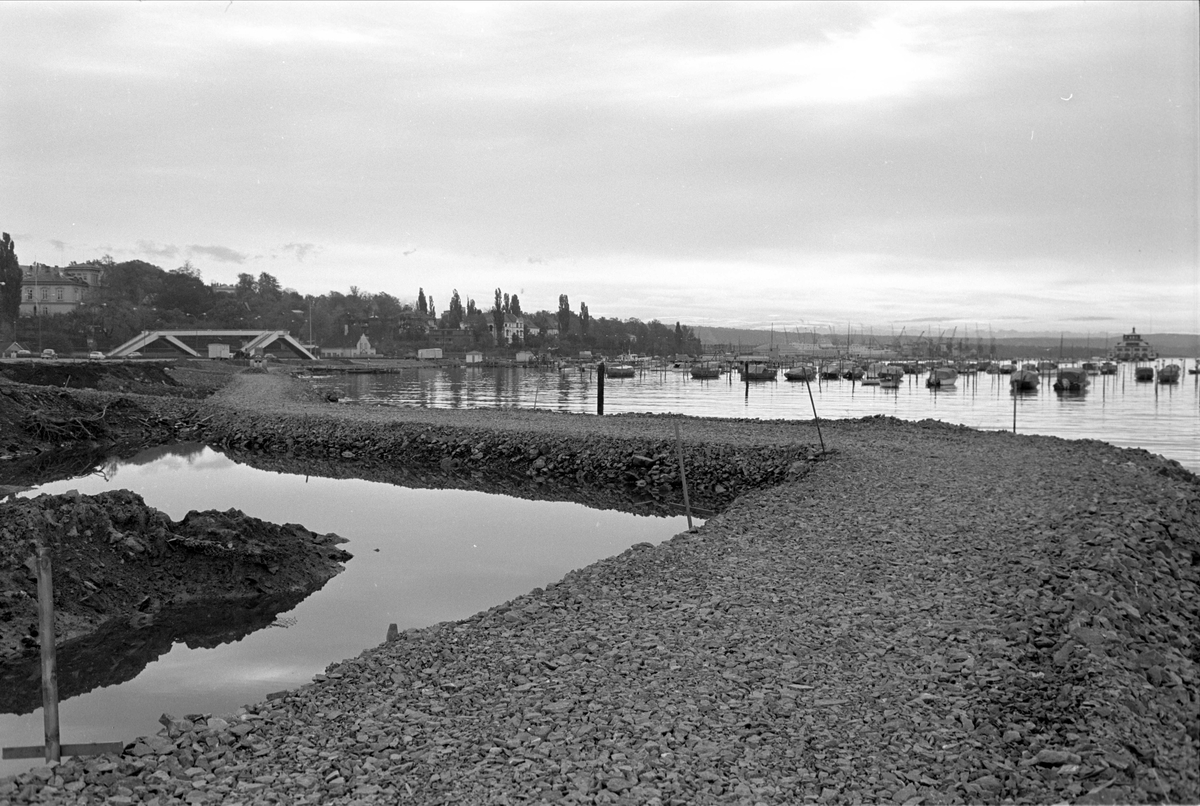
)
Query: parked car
[
  {"x": 95, "y": 355},
  {"x": 48, "y": 353},
  {"x": 134, "y": 355},
  {"x": 24, "y": 354}
]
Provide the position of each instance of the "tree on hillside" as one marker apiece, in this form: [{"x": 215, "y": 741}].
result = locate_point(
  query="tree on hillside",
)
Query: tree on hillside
[
  {"x": 268, "y": 287},
  {"x": 184, "y": 292},
  {"x": 585, "y": 319},
  {"x": 422, "y": 304},
  {"x": 10, "y": 275},
  {"x": 678, "y": 338},
  {"x": 514, "y": 306},
  {"x": 507, "y": 304},
  {"x": 471, "y": 309},
  {"x": 454, "y": 316},
  {"x": 246, "y": 286},
  {"x": 564, "y": 314},
  {"x": 432, "y": 310},
  {"x": 498, "y": 317}
]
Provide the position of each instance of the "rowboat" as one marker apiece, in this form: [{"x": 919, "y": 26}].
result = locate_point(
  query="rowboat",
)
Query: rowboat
[
  {"x": 619, "y": 371},
  {"x": 706, "y": 370}
]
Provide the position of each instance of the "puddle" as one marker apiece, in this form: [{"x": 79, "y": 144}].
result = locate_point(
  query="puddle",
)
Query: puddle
[{"x": 420, "y": 557}]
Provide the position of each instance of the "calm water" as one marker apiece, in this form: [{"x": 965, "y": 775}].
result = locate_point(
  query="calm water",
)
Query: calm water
[
  {"x": 1164, "y": 419},
  {"x": 420, "y": 557}
]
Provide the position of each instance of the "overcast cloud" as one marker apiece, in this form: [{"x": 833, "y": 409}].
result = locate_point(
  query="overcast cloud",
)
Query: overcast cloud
[{"x": 1027, "y": 165}]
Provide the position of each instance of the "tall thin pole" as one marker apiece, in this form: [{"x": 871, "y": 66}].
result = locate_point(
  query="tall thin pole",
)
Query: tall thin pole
[
  {"x": 600, "y": 388},
  {"x": 46, "y": 640},
  {"x": 816, "y": 419},
  {"x": 687, "y": 504}
]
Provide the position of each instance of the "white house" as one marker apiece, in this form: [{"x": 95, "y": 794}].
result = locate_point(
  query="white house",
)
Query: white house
[{"x": 348, "y": 346}]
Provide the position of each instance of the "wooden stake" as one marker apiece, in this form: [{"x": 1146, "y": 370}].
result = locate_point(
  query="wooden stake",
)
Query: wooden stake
[
  {"x": 600, "y": 388},
  {"x": 816, "y": 419},
  {"x": 687, "y": 504},
  {"x": 45, "y": 583}
]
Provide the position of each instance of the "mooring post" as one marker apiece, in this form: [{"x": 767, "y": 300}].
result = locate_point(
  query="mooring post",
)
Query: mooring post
[
  {"x": 45, "y": 585},
  {"x": 1014, "y": 394},
  {"x": 687, "y": 504},
  {"x": 600, "y": 388}
]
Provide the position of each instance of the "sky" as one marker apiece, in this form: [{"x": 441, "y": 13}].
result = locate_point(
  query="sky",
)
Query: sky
[{"x": 1009, "y": 166}]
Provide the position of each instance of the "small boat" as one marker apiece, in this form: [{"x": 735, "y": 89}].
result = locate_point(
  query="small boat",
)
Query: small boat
[
  {"x": 801, "y": 372},
  {"x": 1024, "y": 380},
  {"x": 706, "y": 370},
  {"x": 1169, "y": 374},
  {"x": 1007, "y": 369},
  {"x": 830, "y": 372},
  {"x": 1108, "y": 368},
  {"x": 891, "y": 377},
  {"x": 872, "y": 378},
  {"x": 1090, "y": 367},
  {"x": 619, "y": 371},
  {"x": 1143, "y": 374},
  {"x": 759, "y": 371},
  {"x": 941, "y": 377},
  {"x": 678, "y": 366},
  {"x": 1071, "y": 379}
]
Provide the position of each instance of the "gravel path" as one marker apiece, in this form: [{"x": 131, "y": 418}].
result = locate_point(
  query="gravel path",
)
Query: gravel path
[{"x": 931, "y": 615}]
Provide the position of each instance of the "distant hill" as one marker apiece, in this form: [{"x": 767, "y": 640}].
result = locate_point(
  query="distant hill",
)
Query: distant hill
[{"x": 1172, "y": 345}]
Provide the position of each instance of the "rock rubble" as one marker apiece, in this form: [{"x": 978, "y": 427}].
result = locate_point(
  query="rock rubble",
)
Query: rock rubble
[{"x": 931, "y": 614}]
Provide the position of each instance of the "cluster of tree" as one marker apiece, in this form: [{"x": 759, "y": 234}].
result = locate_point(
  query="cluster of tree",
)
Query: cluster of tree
[
  {"x": 137, "y": 296},
  {"x": 10, "y": 284}
]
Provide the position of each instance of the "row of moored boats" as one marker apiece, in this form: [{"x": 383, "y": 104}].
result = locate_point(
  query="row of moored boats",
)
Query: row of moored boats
[{"x": 1023, "y": 377}]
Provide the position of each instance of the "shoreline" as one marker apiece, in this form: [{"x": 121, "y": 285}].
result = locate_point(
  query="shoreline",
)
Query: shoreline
[{"x": 928, "y": 612}]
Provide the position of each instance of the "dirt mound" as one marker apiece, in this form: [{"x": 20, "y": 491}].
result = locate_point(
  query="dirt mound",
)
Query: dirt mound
[
  {"x": 115, "y": 556},
  {"x": 134, "y": 377}
]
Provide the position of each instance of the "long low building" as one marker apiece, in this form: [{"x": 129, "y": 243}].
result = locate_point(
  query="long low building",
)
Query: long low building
[{"x": 212, "y": 343}]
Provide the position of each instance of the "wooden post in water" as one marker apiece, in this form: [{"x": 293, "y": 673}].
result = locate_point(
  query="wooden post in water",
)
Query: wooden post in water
[
  {"x": 600, "y": 388},
  {"x": 52, "y": 749},
  {"x": 45, "y": 584},
  {"x": 1014, "y": 394},
  {"x": 687, "y": 504}
]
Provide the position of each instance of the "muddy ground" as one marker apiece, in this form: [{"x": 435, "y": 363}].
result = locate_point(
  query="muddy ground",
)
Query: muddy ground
[{"x": 114, "y": 557}]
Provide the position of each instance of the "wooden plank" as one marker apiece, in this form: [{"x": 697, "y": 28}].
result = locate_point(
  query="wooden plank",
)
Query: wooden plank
[{"x": 89, "y": 749}]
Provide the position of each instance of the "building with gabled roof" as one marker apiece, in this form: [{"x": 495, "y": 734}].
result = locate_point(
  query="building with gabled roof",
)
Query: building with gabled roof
[
  {"x": 195, "y": 343},
  {"x": 50, "y": 291}
]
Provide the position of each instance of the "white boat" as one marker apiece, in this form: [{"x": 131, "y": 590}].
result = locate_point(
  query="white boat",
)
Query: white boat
[{"x": 619, "y": 371}]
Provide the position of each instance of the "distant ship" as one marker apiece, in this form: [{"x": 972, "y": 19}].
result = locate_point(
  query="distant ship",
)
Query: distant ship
[{"x": 1132, "y": 348}]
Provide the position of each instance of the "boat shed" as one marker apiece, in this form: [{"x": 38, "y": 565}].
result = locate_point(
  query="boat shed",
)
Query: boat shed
[{"x": 198, "y": 343}]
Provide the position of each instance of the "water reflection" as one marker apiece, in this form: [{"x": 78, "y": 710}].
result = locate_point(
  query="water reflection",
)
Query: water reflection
[
  {"x": 1163, "y": 419},
  {"x": 122, "y": 648},
  {"x": 421, "y": 556}
]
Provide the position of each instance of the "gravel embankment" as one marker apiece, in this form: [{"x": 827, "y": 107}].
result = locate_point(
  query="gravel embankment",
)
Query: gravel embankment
[{"x": 929, "y": 615}]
